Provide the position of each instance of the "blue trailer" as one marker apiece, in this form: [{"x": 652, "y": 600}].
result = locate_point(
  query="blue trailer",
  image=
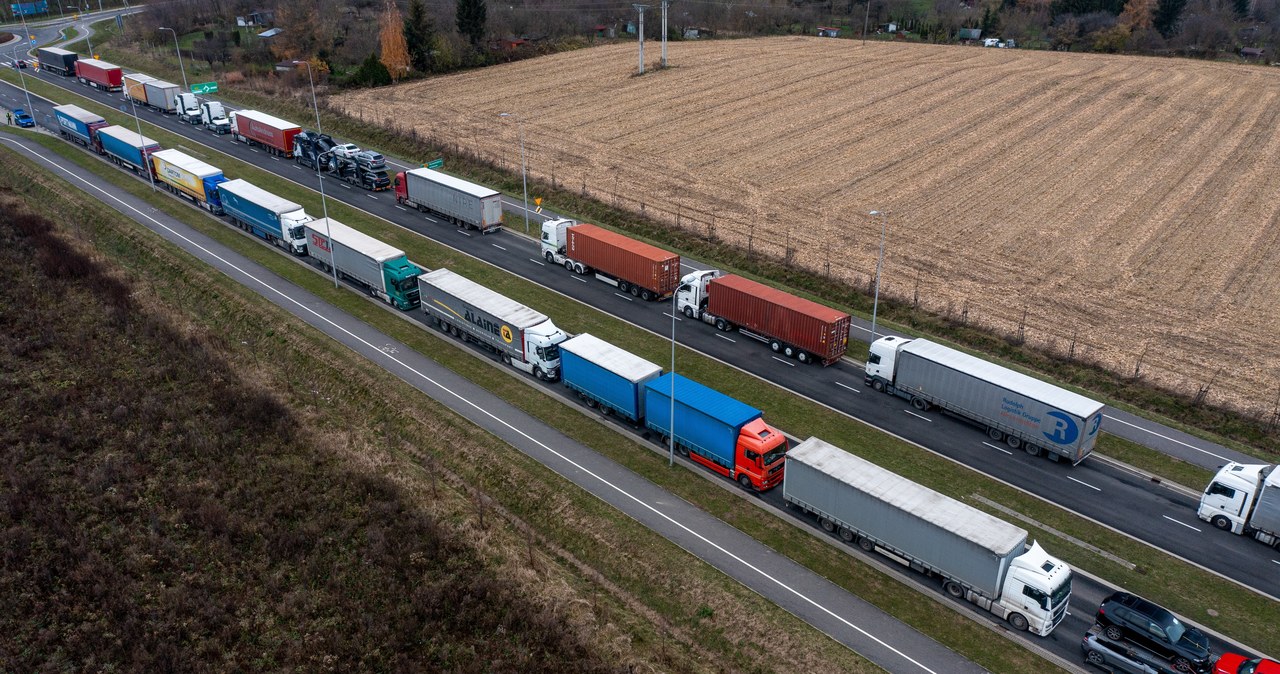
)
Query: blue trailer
[
  {"x": 265, "y": 215},
  {"x": 125, "y": 147},
  {"x": 77, "y": 124},
  {"x": 605, "y": 376}
]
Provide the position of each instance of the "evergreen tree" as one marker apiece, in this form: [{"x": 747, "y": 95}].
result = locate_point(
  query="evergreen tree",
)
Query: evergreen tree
[
  {"x": 1241, "y": 7},
  {"x": 372, "y": 72},
  {"x": 1168, "y": 15},
  {"x": 472, "y": 16},
  {"x": 420, "y": 35}
]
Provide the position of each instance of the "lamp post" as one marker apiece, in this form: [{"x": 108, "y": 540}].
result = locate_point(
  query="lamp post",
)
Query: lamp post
[
  {"x": 30, "y": 110},
  {"x": 179, "y": 50},
  {"x": 671, "y": 449},
  {"x": 146, "y": 158},
  {"x": 875, "y": 305},
  {"x": 324, "y": 203},
  {"x": 524, "y": 170}
]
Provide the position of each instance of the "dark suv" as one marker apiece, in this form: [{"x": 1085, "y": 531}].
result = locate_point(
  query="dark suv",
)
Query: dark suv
[{"x": 1131, "y": 618}]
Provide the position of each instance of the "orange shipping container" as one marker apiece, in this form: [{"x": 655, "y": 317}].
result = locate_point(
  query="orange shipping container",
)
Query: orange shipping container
[
  {"x": 627, "y": 260},
  {"x": 764, "y": 310}
]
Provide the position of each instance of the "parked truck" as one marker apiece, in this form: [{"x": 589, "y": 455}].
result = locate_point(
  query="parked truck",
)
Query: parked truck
[
  {"x": 716, "y": 431},
  {"x": 605, "y": 376},
  {"x": 380, "y": 269},
  {"x": 1244, "y": 499},
  {"x": 214, "y": 117},
  {"x": 188, "y": 108},
  {"x": 57, "y": 61},
  {"x": 1022, "y": 411},
  {"x": 979, "y": 558},
  {"x": 645, "y": 271},
  {"x": 463, "y": 203},
  {"x": 258, "y": 128},
  {"x": 134, "y": 87},
  {"x": 362, "y": 169},
  {"x": 126, "y": 148},
  {"x": 792, "y": 326},
  {"x": 518, "y": 335},
  {"x": 77, "y": 124},
  {"x": 265, "y": 215},
  {"x": 162, "y": 96},
  {"x": 189, "y": 177},
  {"x": 100, "y": 74}
]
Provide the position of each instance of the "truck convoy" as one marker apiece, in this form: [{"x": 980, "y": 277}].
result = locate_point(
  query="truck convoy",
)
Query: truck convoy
[
  {"x": 187, "y": 176},
  {"x": 258, "y": 128},
  {"x": 520, "y": 336},
  {"x": 716, "y": 431},
  {"x": 362, "y": 168},
  {"x": 214, "y": 118},
  {"x": 57, "y": 61},
  {"x": 605, "y": 376},
  {"x": 980, "y": 558},
  {"x": 793, "y": 326},
  {"x": 463, "y": 203},
  {"x": 133, "y": 87},
  {"x": 125, "y": 148},
  {"x": 382, "y": 270},
  {"x": 1244, "y": 499},
  {"x": 188, "y": 108},
  {"x": 265, "y": 215},
  {"x": 1022, "y": 411},
  {"x": 647, "y": 272},
  {"x": 100, "y": 74},
  {"x": 77, "y": 124}
]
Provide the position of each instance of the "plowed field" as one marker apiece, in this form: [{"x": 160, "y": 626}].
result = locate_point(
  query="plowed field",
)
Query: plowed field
[{"x": 1128, "y": 204}]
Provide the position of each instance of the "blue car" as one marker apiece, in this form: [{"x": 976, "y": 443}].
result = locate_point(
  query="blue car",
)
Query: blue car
[{"x": 24, "y": 120}]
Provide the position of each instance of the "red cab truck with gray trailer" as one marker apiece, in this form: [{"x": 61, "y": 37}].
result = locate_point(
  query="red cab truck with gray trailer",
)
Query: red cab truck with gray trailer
[
  {"x": 645, "y": 271},
  {"x": 463, "y": 203},
  {"x": 258, "y": 128},
  {"x": 792, "y": 326},
  {"x": 100, "y": 74}
]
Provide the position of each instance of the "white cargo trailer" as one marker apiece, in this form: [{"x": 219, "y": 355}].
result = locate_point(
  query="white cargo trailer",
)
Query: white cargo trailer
[
  {"x": 1022, "y": 411},
  {"x": 463, "y": 203},
  {"x": 980, "y": 558},
  {"x": 379, "y": 268},
  {"x": 162, "y": 96}
]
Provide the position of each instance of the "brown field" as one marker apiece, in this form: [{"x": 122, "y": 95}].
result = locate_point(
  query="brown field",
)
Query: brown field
[{"x": 1128, "y": 204}]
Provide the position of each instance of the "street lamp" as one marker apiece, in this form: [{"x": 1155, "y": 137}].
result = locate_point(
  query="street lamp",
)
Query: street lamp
[
  {"x": 179, "y": 50},
  {"x": 524, "y": 172},
  {"x": 884, "y": 226},
  {"x": 145, "y": 157},
  {"x": 671, "y": 449},
  {"x": 324, "y": 203}
]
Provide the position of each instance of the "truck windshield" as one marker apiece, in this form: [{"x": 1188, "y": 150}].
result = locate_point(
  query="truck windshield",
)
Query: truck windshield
[
  {"x": 777, "y": 453},
  {"x": 296, "y": 233},
  {"x": 1062, "y": 593},
  {"x": 549, "y": 354}
]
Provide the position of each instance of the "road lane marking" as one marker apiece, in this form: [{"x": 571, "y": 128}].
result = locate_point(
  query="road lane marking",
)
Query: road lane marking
[
  {"x": 918, "y": 416},
  {"x": 669, "y": 315},
  {"x": 998, "y": 448},
  {"x": 726, "y": 338},
  {"x": 1165, "y": 437},
  {"x": 847, "y": 386},
  {"x": 540, "y": 263},
  {"x": 783, "y": 361},
  {"x": 624, "y": 297},
  {"x": 497, "y": 246},
  {"x": 463, "y": 232},
  {"x": 402, "y": 208},
  {"x": 1083, "y": 483},
  {"x": 578, "y": 279},
  {"x": 371, "y": 196},
  {"x": 1180, "y": 523}
]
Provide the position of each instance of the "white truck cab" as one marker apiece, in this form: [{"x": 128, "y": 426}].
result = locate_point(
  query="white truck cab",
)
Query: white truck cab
[
  {"x": 1244, "y": 499},
  {"x": 214, "y": 117},
  {"x": 1038, "y": 586},
  {"x": 188, "y": 108},
  {"x": 553, "y": 240},
  {"x": 292, "y": 224},
  {"x": 691, "y": 297}
]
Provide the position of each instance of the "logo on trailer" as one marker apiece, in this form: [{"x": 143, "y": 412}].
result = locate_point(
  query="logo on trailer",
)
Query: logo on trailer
[
  {"x": 1064, "y": 430},
  {"x": 506, "y": 334},
  {"x": 319, "y": 242}
]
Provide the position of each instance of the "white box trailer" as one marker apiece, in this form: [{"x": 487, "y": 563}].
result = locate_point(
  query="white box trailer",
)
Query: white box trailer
[
  {"x": 1022, "y": 411},
  {"x": 162, "y": 96},
  {"x": 981, "y": 558},
  {"x": 380, "y": 268},
  {"x": 463, "y": 203}
]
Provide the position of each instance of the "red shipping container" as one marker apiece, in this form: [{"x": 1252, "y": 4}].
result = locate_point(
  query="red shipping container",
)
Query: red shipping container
[
  {"x": 819, "y": 330},
  {"x": 635, "y": 262},
  {"x": 100, "y": 74},
  {"x": 274, "y": 133}
]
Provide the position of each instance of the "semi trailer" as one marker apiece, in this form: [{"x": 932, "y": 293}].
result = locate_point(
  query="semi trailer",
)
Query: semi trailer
[
  {"x": 125, "y": 148},
  {"x": 162, "y": 96},
  {"x": 377, "y": 267},
  {"x": 980, "y": 558},
  {"x": 711, "y": 429},
  {"x": 265, "y": 215},
  {"x": 1022, "y": 411},
  {"x": 187, "y": 176},
  {"x": 605, "y": 376},
  {"x": 57, "y": 61},
  {"x": 1244, "y": 499},
  {"x": 362, "y": 169},
  {"x": 258, "y": 128},
  {"x": 792, "y": 326},
  {"x": 463, "y": 203},
  {"x": 519, "y": 336},
  {"x": 99, "y": 74},
  {"x": 134, "y": 89},
  {"x": 77, "y": 124},
  {"x": 646, "y": 271}
]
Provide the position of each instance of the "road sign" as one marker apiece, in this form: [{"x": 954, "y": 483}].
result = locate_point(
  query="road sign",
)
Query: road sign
[
  {"x": 33, "y": 43},
  {"x": 205, "y": 88},
  {"x": 435, "y": 164}
]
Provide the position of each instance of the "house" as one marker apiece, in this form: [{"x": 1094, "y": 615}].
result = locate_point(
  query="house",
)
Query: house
[
  {"x": 1252, "y": 53},
  {"x": 826, "y": 31},
  {"x": 696, "y": 33},
  {"x": 258, "y": 18},
  {"x": 602, "y": 30}
]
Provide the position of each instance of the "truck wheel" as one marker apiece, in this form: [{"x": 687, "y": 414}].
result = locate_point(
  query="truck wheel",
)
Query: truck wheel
[
  {"x": 789, "y": 351},
  {"x": 624, "y": 287},
  {"x": 646, "y": 295},
  {"x": 920, "y": 403},
  {"x": 682, "y": 450},
  {"x": 551, "y": 257},
  {"x": 568, "y": 264},
  {"x": 444, "y": 327},
  {"x": 1013, "y": 441},
  {"x": 578, "y": 268},
  {"x": 954, "y": 589},
  {"x": 688, "y": 312},
  {"x": 745, "y": 481},
  {"x": 1222, "y": 523},
  {"x": 804, "y": 357},
  {"x": 537, "y": 372},
  {"x": 775, "y": 345},
  {"x": 635, "y": 292},
  {"x": 877, "y": 385},
  {"x": 995, "y": 433},
  {"x": 1033, "y": 450},
  {"x": 1018, "y": 622},
  {"x": 846, "y": 534},
  {"x": 506, "y": 358},
  {"x": 827, "y": 525},
  {"x": 867, "y": 544},
  {"x": 592, "y": 403}
]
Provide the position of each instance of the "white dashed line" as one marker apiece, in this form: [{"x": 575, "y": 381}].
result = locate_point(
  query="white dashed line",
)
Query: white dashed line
[
  {"x": 727, "y": 339},
  {"x": 788, "y": 364},
  {"x": 1083, "y": 483},
  {"x": 1180, "y": 523},
  {"x": 497, "y": 246},
  {"x": 847, "y": 386},
  {"x": 402, "y": 208},
  {"x": 918, "y": 416},
  {"x": 540, "y": 263},
  {"x": 624, "y": 297},
  {"x": 998, "y": 448}
]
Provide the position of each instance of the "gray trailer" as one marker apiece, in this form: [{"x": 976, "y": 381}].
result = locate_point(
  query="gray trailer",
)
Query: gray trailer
[
  {"x": 1022, "y": 411},
  {"x": 379, "y": 268},
  {"x": 463, "y": 203},
  {"x": 161, "y": 95},
  {"x": 980, "y": 558},
  {"x": 520, "y": 336}
]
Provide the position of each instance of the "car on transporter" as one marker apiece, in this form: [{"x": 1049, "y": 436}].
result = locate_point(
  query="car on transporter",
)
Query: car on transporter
[{"x": 1126, "y": 617}]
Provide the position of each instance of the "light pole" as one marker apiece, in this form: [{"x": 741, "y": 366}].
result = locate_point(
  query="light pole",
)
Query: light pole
[
  {"x": 875, "y": 305},
  {"x": 524, "y": 170},
  {"x": 30, "y": 110},
  {"x": 671, "y": 450},
  {"x": 146, "y": 158},
  {"x": 324, "y": 203},
  {"x": 179, "y": 50}
]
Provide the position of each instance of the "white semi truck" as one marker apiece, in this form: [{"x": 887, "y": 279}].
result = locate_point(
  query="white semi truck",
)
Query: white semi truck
[{"x": 1244, "y": 499}]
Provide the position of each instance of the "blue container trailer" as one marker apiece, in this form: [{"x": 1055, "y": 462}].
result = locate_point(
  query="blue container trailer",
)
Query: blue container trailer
[
  {"x": 605, "y": 376},
  {"x": 125, "y": 147},
  {"x": 77, "y": 124},
  {"x": 265, "y": 215}
]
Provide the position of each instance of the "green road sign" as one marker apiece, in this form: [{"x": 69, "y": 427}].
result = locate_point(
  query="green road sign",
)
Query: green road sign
[
  {"x": 205, "y": 88},
  {"x": 435, "y": 164}
]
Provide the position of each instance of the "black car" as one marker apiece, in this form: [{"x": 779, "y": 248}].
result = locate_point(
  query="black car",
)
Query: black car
[
  {"x": 1127, "y": 617},
  {"x": 1120, "y": 658}
]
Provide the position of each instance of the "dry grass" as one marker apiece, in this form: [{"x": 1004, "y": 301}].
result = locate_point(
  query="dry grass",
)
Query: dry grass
[{"x": 1127, "y": 204}]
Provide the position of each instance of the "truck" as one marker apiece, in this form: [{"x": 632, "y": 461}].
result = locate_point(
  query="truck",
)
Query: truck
[
  {"x": 189, "y": 177},
  {"x": 188, "y": 108},
  {"x": 979, "y": 558},
  {"x": 134, "y": 89},
  {"x": 605, "y": 376},
  {"x": 362, "y": 169},
  {"x": 214, "y": 118},
  {"x": 162, "y": 96},
  {"x": 463, "y": 203},
  {"x": 792, "y": 326},
  {"x": 57, "y": 61},
  {"x": 646, "y": 271},
  {"x": 265, "y": 215},
  {"x": 99, "y": 74},
  {"x": 379, "y": 268},
  {"x": 77, "y": 124},
  {"x": 258, "y": 128},
  {"x": 1012, "y": 407},
  {"x": 125, "y": 148},
  {"x": 519, "y": 336},
  {"x": 1245, "y": 500},
  {"x": 711, "y": 429}
]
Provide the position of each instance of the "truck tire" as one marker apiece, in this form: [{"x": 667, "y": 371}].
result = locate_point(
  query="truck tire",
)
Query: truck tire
[
  {"x": 646, "y": 295},
  {"x": 682, "y": 450},
  {"x": 920, "y": 403},
  {"x": 1013, "y": 441},
  {"x": 688, "y": 312},
  {"x": 954, "y": 589},
  {"x": 568, "y": 264},
  {"x": 1032, "y": 449},
  {"x": 789, "y": 351},
  {"x": 826, "y": 524},
  {"x": 550, "y": 256},
  {"x": 775, "y": 346},
  {"x": 722, "y": 325},
  {"x": 1018, "y": 622},
  {"x": 1222, "y": 523},
  {"x": 846, "y": 534},
  {"x": 877, "y": 385},
  {"x": 866, "y": 544},
  {"x": 537, "y": 372},
  {"x": 745, "y": 482},
  {"x": 578, "y": 268},
  {"x": 624, "y": 287},
  {"x": 635, "y": 291},
  {"x": 995, "y": 433},
  {"x": 804, "y": 357}
]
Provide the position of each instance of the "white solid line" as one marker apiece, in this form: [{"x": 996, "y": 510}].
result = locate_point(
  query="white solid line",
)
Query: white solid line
[
  {"x": 345, "y": 185},
  {"x": 253, "y": 149},
  {"x": 998, "y": 448},
  {"x": 540, "y": 263},
  {"x": 1177, "y": 522},
  {"x": 1165, "y": 437},
  {"x": 371, "y": 196},
  {"x": 463, "y": 232},
  {"x": 1275, "y": 561},
  {"x": 624, "y": 297},
  {"x": 726, "y": 338},
  {"x": 481, "y": 410},
  {"x": 1083, "y": 483},
  {"x": 402, "y": 208},
  {"x": 918, "y": 416},
  {"x": 847, "y": 386},
  {"x": 497, "y": 246},
  {"x": 783, "y": 361}
]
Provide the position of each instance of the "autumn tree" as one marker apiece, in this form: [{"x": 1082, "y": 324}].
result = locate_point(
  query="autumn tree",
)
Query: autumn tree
[
  {"x": 420, "y": 35},
  {"x": 1138, "y": 14},
  {"x": 472, "y": 16},
  {"x": 395, "y": 53}
]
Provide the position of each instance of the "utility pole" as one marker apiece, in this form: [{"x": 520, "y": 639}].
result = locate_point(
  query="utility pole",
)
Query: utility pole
[
  {"x": 665, "y": 4},
  {"x": 640, "y": 9}
]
